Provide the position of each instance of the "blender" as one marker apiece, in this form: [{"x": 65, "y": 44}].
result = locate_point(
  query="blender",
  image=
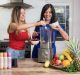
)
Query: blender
[{"x": 45, "y": 51}]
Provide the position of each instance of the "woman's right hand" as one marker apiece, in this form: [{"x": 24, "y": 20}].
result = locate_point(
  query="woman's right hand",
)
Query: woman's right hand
[
  {"x": 35, "y": 35},
  {"x": 43, "y": 23}
]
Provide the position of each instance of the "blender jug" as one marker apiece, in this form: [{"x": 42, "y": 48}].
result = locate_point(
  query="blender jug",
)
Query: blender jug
[
  {"x": 45, "y": 51},
  {"x": 45, "y": 37}
]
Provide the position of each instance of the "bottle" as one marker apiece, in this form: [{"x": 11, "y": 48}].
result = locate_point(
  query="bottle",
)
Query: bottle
[
  {"x": 5, "y": 60},
  {"x": 1, "y": 60},
  {"x": 9, "y": 61},
  {"x": 14, "y": 63}
]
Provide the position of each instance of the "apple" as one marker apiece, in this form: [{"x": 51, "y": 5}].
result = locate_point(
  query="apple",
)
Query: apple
[
  {"x": 56, "y": 58},
  {"x": 57, "y": 62},
  {"x": 61, "y": 57}
]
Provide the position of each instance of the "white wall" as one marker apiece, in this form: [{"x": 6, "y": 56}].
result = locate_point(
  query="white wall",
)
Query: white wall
[
  {"x": 4, "y": 22},
  {"x": 76, "y": 20}
]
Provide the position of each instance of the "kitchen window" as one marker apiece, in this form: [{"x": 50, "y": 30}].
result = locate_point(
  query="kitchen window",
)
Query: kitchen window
[{"x": 62, "y": 13}]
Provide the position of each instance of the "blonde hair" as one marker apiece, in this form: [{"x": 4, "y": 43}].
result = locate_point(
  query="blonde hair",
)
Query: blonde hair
[{"x": 15, "y": 16}]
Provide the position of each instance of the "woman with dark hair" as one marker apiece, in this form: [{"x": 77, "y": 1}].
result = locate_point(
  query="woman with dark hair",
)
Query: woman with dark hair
[
  {"x": 18, "y": 32},
  {"x": 48, "y": 14}
]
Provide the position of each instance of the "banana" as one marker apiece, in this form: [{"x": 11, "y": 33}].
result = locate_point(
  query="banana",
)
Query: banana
[
  {"x": 67, "y": 56},
  {"x": 67, "y": 50}
]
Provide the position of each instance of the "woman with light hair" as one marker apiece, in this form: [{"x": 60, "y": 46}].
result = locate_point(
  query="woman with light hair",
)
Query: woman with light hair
[{"x": 18, "y": 33}]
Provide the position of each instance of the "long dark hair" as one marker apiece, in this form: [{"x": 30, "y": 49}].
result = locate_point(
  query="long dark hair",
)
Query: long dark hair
[{"x": 53, "y": 18}]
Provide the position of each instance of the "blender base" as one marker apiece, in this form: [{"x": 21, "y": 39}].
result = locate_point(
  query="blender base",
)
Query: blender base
[{"x": 45, "y": 54}]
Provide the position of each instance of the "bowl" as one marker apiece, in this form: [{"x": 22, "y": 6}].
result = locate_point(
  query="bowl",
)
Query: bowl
[{"x": 35, "y": 42}]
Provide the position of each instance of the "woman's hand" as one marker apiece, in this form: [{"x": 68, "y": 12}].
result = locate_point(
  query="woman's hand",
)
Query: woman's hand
[
  {"x": 43, "y": 23},
  {"x": 55, "y": 26},
  {"x": 35, "y": 35},
  {"x": 62, "y": 32}
]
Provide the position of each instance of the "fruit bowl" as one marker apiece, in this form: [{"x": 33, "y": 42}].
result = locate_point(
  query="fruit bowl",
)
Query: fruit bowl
[{"x": 56, "y": 66}]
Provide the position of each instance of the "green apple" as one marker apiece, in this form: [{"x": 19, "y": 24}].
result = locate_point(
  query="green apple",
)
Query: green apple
[{"x": 61, "y": 57}]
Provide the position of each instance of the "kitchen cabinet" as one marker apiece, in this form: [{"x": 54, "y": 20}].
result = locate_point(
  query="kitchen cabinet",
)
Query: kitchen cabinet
[{"x": 4, "y": 45}]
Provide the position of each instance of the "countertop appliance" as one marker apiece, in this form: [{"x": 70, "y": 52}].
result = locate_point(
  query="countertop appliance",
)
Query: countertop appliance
[{"x": 45, "y": 50}]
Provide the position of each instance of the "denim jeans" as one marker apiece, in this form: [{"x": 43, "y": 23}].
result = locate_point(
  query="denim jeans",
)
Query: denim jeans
[{"x": 16, "y": 53}]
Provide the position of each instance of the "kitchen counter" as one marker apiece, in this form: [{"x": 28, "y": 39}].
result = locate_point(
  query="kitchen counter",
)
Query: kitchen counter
[{"x": 30, "y": 67}]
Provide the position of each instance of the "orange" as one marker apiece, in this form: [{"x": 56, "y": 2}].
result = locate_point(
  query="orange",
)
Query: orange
[{"x": 66, "y": 63}]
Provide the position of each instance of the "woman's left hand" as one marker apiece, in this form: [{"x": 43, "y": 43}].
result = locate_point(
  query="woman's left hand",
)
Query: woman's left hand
[
  {"x": 62, "y": 32},
  {"x": 56, "y": 27}
]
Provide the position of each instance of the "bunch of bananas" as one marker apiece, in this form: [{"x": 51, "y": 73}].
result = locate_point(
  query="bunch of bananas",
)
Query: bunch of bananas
[{"x": 67, "y": 53}]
